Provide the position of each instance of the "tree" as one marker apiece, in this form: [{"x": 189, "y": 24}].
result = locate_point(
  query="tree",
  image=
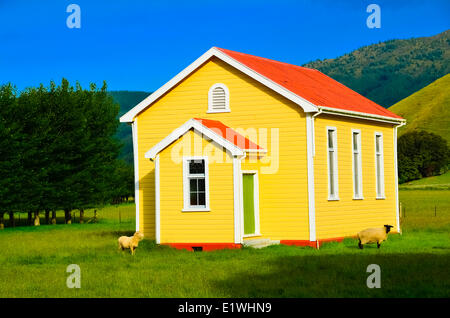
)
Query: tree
[
  {"x": 421, "y": 154},
  {"x": 57, "y": 149},
  {"x": 10, "y": 161}
]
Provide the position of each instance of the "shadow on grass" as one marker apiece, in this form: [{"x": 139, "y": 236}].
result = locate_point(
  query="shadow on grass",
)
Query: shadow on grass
[{"x": 402, "y": 275}]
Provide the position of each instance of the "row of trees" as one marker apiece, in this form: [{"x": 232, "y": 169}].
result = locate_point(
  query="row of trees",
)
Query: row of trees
[
  {"x": 58, "y": 151},
  {"x": 421, "y": 154}
]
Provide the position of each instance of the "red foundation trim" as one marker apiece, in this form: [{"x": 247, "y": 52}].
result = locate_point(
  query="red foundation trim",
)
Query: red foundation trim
[
  {"x": 314, "y": 244},
  {"x": 204, "y": 246}
]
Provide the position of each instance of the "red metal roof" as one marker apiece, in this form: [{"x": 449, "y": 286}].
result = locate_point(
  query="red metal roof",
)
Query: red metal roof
[
  {"x": 229, "y": 134},
  {"x": 310, "y": 84}
]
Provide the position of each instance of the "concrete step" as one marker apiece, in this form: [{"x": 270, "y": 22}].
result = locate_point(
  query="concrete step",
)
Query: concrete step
[{"x": 260, "y": 243}]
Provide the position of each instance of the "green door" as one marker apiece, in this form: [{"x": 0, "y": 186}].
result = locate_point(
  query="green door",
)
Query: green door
[{"x": 249, "y": 203}]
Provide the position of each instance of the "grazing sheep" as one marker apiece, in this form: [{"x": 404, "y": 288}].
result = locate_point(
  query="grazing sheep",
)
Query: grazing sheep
[
  {"x": 130, "y": 242},
  {"x": 374, "y": 235}
]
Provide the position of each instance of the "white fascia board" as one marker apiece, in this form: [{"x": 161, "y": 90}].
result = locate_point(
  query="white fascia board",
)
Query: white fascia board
[
  {"x": 180, "y": 131},
  {"x": 306, "y": 105},
  {"x": 303, "y": 103},
  {"x": 350, "y": 113},
  {"x": 128, "y": 117}
]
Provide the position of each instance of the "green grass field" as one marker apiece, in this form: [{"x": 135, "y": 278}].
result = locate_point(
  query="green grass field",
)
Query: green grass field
[
  {"x": 33, "y": 261},
  {"x": 441, "y": 182}
]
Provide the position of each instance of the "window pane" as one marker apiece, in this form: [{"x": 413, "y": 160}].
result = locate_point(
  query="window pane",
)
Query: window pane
[
  {"x": 331, "y": 172},
  {"x": 379, "y": 181},
  {"x": 377, "y": 143},
  {"x": 356, "y": 173},
  {"x": 330, "y": 139},
  {"x": 355, "y": 141},
  {"x": 201, "y": 198},
  {"x": 197, "y": 166},
  {"x": 193, "y": 185},
  {"x": 201, "y": 184},
  {"x": 193, "y": 198}
]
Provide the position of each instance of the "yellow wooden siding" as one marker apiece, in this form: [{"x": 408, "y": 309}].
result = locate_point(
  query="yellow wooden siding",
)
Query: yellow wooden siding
[
  {"x": 347, "y": 216},
  {"x": 283, "y": 196},
  {"x": 215, "y": 226}
]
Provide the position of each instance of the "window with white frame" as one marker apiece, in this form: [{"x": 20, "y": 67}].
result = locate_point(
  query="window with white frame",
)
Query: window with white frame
[
  {"x": 195, "y": 184},
  {"x": 357, "y": 169},
  {"x": 332, "y": 164},
  {"x": 379, "y": 164},
  {"x": 218, "y": 99}
]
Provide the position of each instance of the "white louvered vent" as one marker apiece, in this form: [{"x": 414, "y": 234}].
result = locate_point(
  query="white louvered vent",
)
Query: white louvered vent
[{"x": 218, "y": 99}]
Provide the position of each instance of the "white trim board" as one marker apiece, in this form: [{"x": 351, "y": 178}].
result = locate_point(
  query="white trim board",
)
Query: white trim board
[
  {"x": 311, "y": 191},
  {"x": 360, "y": 115},
  {"x": 237, "y": 199},
  {"x": 134, "y": 127},
  {"x": 303, "y": 103},
  {"x": 157, "y": 202},
  {"x": 306, "y": 105},
  {"x": 193, "y": 124}
]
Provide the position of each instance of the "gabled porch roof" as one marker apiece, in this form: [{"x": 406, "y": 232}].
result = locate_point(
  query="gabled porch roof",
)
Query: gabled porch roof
[{"x": 215, "y": 130}]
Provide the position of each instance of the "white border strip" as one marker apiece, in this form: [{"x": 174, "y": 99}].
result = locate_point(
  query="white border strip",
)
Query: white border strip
[
  {"x": 311, "y": 193},
  {"x": 360, "y": 115},
  {"x": 134, "y": 132},
  {"x": 157, "y": 202},
  {"x": 237, "y": 200},
  {"x": 396, "y": 180},
  {"x": 129, "y": 116},
  {"x": 180, "y": 131}
]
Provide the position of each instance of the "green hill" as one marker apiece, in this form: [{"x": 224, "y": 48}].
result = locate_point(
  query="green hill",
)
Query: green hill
[
  {"x": 127, "y": 100},
  {"x": 427, "y": 109},
  {"x": 389, "y": 71},
  {"x": 441, "y": 182}
]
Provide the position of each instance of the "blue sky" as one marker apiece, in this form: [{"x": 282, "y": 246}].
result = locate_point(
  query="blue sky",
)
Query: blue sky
[{"x": 139, "y": 45}]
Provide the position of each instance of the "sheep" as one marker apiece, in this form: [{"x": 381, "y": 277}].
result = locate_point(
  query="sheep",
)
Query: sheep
[
  {"x": 130, "y": 242},
  {"x": 374, "y": 235}
]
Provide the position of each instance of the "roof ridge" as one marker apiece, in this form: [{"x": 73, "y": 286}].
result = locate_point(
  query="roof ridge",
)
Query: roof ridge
[{"x": 267, "y": 59}]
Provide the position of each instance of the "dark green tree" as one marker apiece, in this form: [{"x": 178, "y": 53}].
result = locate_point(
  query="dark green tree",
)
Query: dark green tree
[{"x": 421, "y": 154}]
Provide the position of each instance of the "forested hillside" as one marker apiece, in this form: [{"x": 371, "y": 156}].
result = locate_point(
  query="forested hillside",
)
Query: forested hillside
[
  {"x": 389, "y": 71},
  {"x": 126, "y": 100}
]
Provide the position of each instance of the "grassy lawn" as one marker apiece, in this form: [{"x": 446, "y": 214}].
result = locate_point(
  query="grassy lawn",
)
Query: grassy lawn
[{"x": 33, "y": 261}]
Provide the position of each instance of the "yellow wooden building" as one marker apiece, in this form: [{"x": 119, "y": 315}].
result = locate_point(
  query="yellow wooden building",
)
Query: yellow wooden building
[{"x": 238, "y": 147}]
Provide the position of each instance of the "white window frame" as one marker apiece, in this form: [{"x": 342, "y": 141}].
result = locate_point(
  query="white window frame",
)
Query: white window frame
[
  {"x": 359, "y": 151},
  {"x": 186, "y": 177},
  {"x": 332, "y": 197},
  {"x": 227, "y": 99},
  {"x": 381, "y": 194}
]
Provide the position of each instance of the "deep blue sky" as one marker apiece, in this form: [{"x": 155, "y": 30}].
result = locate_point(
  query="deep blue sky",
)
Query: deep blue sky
[{"x": 139, "y": 45}]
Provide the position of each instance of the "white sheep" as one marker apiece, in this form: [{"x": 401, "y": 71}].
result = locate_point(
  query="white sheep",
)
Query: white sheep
[
  {"x": 130, "y": 242},
  {"x": 374, "y": 235}
]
